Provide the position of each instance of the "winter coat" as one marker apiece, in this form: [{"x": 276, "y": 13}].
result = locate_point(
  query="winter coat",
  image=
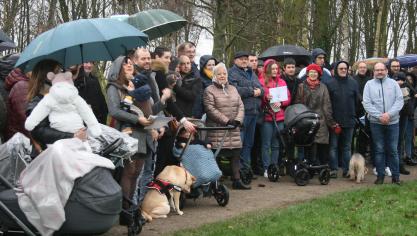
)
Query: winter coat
[
  {"x": 3, "y": 117},
  {"x": 344, "y": 96},
  {"x": 43, "y": 133},
  {"x": 292, "y": 84},
  {"x": 65, "y": 109},
  {"x": 318, "y": 100},
  {"x": 195, "y": 69},
  {"x": 380, "y": 96},
  {"x": 222, "y": 106},
  {"x": 90, "y": 90},
  {"x": 159, "y": 73},
  {"x": 17, "y": 84},
  {"x": 278, "y": 82},
  {"x": 245, "y": 82},
  {"x": 187, "y": 94},
  {"x": 115, "y": 94},
  {"x": 204, "y": 78},
  {"x": 361, "y": 80}
]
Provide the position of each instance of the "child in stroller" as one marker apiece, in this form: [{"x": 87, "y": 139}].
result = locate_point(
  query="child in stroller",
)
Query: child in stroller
[{"x": 197, "y": 157}]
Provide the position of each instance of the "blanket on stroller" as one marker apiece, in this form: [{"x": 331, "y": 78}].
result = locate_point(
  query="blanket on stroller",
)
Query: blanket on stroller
[
  {"x": 47, "y": 182},
  {"x": 200, "y": 162}
]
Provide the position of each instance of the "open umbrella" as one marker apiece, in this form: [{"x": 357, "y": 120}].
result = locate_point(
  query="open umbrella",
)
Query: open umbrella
[
  {"x": 408, "y": 60},
  {"x": 6, "y": 46},
  {"x": 156, "y": 22},
  {"x": 370, "y": 62},
  {"x": 280, "y": 52},
  {"x": 4, "y": 37},
  {"x": 82, "y": 40}
]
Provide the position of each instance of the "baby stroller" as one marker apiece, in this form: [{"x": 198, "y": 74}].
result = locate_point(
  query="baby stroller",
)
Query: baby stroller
[
  {"x": 203, "y": 167},
  {"x": 92, "y": 208},
  {"x": 300, "y": 128}
]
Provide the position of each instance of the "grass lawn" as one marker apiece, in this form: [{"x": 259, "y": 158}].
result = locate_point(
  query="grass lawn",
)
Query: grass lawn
[{"x": 380, "y": 210}]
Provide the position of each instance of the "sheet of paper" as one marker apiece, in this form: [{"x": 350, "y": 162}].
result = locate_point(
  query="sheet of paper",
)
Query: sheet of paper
[
  {"x": 279, "y": 94},
  {"x": 158, "y": 122}
]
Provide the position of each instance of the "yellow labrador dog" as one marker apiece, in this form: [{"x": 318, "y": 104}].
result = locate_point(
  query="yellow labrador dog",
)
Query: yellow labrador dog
[
  {"x": 155, "y": 204},
  {"x": 357, "y": 169}
]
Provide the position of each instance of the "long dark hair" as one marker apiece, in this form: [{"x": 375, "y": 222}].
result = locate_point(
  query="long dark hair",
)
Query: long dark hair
[
  {"x": 122, "y": 79},
  {"x": 38, "y": 78}
]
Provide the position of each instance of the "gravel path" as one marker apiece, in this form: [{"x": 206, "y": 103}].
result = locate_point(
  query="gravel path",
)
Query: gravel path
[{"x": 273, "y": 195}]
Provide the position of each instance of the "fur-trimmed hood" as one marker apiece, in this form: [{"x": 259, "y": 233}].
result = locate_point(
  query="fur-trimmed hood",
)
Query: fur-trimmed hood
[{"x": 158, "y": 66}]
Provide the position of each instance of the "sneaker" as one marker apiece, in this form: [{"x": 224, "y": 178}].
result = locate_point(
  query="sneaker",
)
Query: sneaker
[
  {"x": 333, "y": 174},
  {"x": 374, "y": 170},
  {"x": 388, "y": 171},
  {"x": 410, "y": 161},
  {"x": 379, "y": 180},
  {"x": 266, "y": 174},
  {"x": 396, "y": 181}
]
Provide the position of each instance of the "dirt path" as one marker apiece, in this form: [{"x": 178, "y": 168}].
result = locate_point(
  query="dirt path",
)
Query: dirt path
[{"x": 273, "y": 195}]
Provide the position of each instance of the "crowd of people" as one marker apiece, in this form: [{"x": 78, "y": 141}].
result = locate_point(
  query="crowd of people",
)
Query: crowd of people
[{"x": 159, "y": 83}]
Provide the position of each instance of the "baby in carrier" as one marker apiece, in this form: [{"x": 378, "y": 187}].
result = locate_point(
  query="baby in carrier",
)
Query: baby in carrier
[
  {"x": 65, "y": 109},
  {"x": 138, "y": 96}
]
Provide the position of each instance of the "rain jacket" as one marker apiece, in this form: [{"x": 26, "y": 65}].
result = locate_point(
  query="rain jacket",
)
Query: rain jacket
[{"x": 380, "y": 96}]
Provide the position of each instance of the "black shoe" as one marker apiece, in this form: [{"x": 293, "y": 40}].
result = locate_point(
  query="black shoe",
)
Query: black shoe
[
  {"x": 379, "y": 180},
  {"x": 237, "y": 184},
  {"x": 410, "y": 161},
  {"x": 396, "y": 181},
  {"x": 403, "y": 171},
  {"x": 346, "y": 175}
]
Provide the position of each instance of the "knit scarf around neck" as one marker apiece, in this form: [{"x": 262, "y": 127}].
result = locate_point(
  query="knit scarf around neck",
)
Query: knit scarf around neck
[
  {"x": 312, "y": 84},
  {"x": 209, "y": 73}
]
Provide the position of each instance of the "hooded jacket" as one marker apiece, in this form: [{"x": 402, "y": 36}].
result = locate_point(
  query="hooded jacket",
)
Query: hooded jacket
[
  {"x": 344, "y": 96},
  {"x": 277, "y": 82},
  {"x": 326, "y": 76},
  {"x": 203, "y": 62},
  {"x": 17, "y": 84},
  {"x": 380, "y": 96},
  {"x": 246, "y": 82},
  {"x": 115, "y": 94}
]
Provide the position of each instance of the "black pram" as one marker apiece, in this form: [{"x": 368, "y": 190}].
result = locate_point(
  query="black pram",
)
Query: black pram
[{"x": 300, "y": 128}]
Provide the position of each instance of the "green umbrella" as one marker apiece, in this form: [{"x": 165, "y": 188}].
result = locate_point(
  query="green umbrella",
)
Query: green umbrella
[
  {"x": 82, "y": 40},
  {"x": 156, "y": 22}
]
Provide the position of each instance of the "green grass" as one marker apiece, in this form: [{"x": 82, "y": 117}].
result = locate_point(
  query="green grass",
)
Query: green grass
[{"x": 380, "y": 210}]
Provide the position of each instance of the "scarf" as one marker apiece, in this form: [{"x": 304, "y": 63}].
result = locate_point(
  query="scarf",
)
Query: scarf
[
  {"x": 312, "y": 84},
  {"x": 208, "y": 73}
]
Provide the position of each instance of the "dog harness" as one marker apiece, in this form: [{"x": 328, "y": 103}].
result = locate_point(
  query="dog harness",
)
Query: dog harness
[{"x": 163, "y": 187}]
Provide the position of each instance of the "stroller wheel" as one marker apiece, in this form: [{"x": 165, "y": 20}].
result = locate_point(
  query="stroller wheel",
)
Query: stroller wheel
[
  {"x": 246, "y": 176},
  {"x": 302, "y": 177},
  {"x": 324, "y": 176},
  {"x": 221, "y": 194},
  {"x": 182, "y": 200},
  {"x": 273, "y": 173}
]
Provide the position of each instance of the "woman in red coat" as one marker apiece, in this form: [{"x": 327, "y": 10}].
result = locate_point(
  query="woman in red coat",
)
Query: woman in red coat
[{"x": 270, "y": 79}]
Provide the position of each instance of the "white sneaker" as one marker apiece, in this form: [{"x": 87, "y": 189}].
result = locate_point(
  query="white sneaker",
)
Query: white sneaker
[
  {"x": 388, "y": 171},
  {"x": 266, "y": 174},
  {"x": 374, "y": 170}
]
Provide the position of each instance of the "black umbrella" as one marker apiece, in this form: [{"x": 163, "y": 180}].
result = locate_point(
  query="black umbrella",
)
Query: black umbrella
[
  {"x": 300, "y": 54},
  {"x": 6, "y": 46}
]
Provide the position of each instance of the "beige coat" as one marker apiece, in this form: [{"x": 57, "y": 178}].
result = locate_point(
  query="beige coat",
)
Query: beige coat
[{"x": 222, "y": 106}]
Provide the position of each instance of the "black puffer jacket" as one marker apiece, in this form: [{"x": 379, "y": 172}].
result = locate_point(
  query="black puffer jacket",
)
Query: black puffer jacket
[{"x": 187, "y": 94}]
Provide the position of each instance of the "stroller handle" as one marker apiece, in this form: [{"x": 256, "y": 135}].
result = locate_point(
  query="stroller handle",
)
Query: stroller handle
[{"x": 229, "y": 127}]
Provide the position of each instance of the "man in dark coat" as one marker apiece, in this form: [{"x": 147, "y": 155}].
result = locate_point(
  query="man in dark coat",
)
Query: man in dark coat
[
  {"x": 188, "y": 49},
  {"x": 250, "y": 90},
  {"x": 319, "y": 58},
  {"x": 344, "y": 96}
]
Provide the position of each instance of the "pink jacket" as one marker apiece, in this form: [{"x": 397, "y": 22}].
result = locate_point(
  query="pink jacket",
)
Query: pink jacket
[{"x": 278, "y": 82}]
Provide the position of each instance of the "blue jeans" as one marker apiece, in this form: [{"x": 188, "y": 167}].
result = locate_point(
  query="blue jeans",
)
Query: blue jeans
[
  {"x": 342, "y": 141},
  {"x": 270, "y": 143},
  {"x": 409, "y": 137},
  {"x": 247, "y": 135},
  {"x": 385, "y": 142}
]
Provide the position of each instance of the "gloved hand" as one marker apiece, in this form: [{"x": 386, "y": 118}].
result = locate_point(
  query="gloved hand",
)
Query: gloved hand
[
  {"x": 337, "y": 129},
  {"x": 234, "y": 123}
]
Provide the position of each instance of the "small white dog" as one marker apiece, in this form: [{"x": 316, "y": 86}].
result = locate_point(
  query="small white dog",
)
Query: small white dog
[{"x": 357, "y": 169}]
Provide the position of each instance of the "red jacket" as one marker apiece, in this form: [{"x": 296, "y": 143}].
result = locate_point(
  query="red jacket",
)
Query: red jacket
[
  {"x": 17, "y": 83},
  {"x": 278, "y": 82}
]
